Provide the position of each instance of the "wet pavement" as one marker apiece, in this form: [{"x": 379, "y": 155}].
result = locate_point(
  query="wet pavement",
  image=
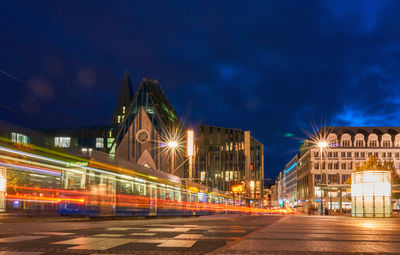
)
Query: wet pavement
[
  {"x": 149, "y": 236},
  {"x": 321, "y": 235},
  {"x": 227, "y": 234}
]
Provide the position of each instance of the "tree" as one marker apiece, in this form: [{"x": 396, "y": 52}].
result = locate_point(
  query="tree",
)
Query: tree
[{"x": 374, "y": 163}]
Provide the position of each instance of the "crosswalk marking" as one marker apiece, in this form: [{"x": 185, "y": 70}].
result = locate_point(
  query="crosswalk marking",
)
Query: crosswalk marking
[
  {"x": 143, "y": 234},
  {"x": 19, "y": 238},
  {"x": 188, "y": 236},
  {"x": 108, "y": 235},
  {"x": 93, "y": 243},
  {"x": 178, "y": 243},
  {"x": 53, "y": 233},
  {"x": 168, "y": 229},
  {"x": 20, "y": 252}
]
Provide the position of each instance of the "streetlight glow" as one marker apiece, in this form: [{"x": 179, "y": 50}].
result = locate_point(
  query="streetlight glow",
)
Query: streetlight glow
[
  {"x": 172, "y": 144},
  {"x": 322, "y": 144}
]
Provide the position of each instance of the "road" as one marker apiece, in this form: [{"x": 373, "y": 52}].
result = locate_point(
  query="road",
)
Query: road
[
  {"x": 226, "y": 234},
  {"x": 166, "y": 236}
]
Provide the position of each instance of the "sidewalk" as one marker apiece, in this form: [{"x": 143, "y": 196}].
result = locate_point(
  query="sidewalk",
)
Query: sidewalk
[{"x": 302, "y": 234}]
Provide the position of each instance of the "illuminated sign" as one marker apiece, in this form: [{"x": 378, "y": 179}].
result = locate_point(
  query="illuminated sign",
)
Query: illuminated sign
[
  {"x": 237, "y": 188},
  {"x": 193, "y": 189},
  {"x": 3, "y": 189},
  {"x": 190, "y": 136},
  {"x": 73, "y": 164}
]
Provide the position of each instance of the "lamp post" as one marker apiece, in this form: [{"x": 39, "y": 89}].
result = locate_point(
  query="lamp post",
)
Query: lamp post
[
  {"x": 172, "y": 145},
  {"x": 321, "y": 145}
]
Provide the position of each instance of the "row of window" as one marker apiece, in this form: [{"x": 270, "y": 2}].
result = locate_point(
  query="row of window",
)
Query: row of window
[
  {"x": 332, "y": 178},
  {"x": 65, "y": 142},
  {"x": 357, "y": 154},
  {"x": 371, "y": 143}
]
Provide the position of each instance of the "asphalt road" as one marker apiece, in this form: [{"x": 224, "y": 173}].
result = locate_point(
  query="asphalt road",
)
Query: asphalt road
[{"x": 199, "y": 235}]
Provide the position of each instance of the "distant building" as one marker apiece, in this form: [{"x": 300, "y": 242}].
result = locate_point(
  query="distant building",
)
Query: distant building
[
  {"x": 321, "y": 181},
  {"x": 227, "y": 157},
  {"x": 281, "y": 189},
  {"x": 290, "y": 175}
]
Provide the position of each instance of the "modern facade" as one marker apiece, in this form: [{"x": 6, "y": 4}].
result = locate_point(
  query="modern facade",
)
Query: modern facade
[
  {"x": 227, "y": 157},
  {"x": 322, "y": 179},
  {"x": 280, "y": 189},
  {"x": 290, "y": 176}
]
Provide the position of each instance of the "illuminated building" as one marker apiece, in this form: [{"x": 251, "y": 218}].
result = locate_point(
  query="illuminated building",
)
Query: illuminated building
[
  {"x": 371, "y": 193},
  {"x": 290, "y": 175},
  {"x": 228, "y": 157},
  {"x": 323, "y": 180},
  {"x": 141, "y": 127}
]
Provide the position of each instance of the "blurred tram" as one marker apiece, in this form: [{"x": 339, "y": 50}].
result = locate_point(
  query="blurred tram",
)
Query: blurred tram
[
  {"x": 40, "y": 180},
  {"x": 143, "y": 192}
]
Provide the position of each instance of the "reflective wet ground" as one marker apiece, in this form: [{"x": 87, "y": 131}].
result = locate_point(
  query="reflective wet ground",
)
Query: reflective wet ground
[
  {"x": 322, "y": 235},
  {"x": 294, "y": 234},
  {"x": 152, "y": 236}
]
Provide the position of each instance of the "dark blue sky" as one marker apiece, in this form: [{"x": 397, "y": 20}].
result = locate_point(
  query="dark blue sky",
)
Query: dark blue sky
[{"x": 270, "y": 66}]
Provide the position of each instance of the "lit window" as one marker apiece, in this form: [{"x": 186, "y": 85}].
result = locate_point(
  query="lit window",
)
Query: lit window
[
  {"x": 19, "y": 138},
  {"x": 99, "y": 142},
  {"x": 110, "y": 142},
  {"x": 119, "y": 119},
  {"x": 123, "y": 109},
  {"x": 63, "y": 142},
  {"x": 84, "y": 151}
]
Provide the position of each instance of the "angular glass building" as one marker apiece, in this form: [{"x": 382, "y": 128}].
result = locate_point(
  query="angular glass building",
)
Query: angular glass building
[{"x": 227, "y": 158}]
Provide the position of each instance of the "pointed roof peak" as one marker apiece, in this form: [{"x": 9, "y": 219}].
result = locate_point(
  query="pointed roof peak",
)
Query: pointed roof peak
[{"x": 125, "y": 96}]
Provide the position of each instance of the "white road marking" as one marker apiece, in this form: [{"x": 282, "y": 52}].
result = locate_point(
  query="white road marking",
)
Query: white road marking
[
  {"x": 19, "y": 238},
  {"x": 53, "y": 233},
  {"x": 92, "y": 243},
  {"x": 188, "y": 236},
  {"x": 20, "y": 252},
  {"x": 108, "y": 235},
  {"x": 168, "y": 229},
  {"x": 178, "y": 243},
  {"x": 143, "y": 234}
]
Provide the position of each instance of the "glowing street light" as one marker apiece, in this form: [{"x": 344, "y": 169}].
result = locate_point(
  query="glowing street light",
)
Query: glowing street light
[
  {"x": 172, "y": 144},
  {"x": 321, "y": 145}
]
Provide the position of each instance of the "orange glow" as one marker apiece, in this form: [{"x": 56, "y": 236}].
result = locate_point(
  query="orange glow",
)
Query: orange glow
[{"x": 237, "y": 188}]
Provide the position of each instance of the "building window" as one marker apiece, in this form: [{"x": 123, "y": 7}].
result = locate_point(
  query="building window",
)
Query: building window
[
  {"x": 336, "y": 166},
  {"x": 329, "y": 166},
  {"x": 386, "y": 143},
  {"x": 316, "y": 166},
  {"x": 123, "y": 109},
  {"x": 316, "y": 154},
  {"x": 373, "y": 143},
  {"x": 335, "y": 154},
  {"x": 356, "y": 154},
  {"x": 383, "y": 154},
  {"x": 345, "y": 177},
  {"x": 19, "y": 138},
  {"x": 359, "y": 143},
  {"x": 350, "y": 166},
  {"x": 99, "y": 142},
  {"x": 329, "y": 154},
  {"x": 349, "y": 154},
  {"x": 119, "y": 119},
  {"x": 397, "y": 155},
  {"x": 63, "y": 142},
  {"x": 332, "y": 179},
  {"x": 346, "y": 143},
  {"x": 363, "y": 154},
  {"x": 317, "y": 178},
  {"x": 110, "y": 142},
  {"x": 343, "y": 154},
  {"x": 389, "y": 154},
  {"x": 344, "y": 166},
  {"x": 376, "y": 154}
]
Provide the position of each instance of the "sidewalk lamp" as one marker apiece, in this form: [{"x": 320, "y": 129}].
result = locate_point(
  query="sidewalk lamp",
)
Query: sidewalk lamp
[
  {"x": 322, "y": 145},
  {"x": 172, "y": 145}
]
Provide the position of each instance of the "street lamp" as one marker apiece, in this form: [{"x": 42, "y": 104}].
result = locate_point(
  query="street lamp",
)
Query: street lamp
[
  {"x": 172, "y": 145},
  {"x": 322, "y": 146}
]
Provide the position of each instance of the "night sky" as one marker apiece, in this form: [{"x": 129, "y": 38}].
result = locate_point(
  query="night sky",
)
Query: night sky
[{"x": 272, "y": 67}]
